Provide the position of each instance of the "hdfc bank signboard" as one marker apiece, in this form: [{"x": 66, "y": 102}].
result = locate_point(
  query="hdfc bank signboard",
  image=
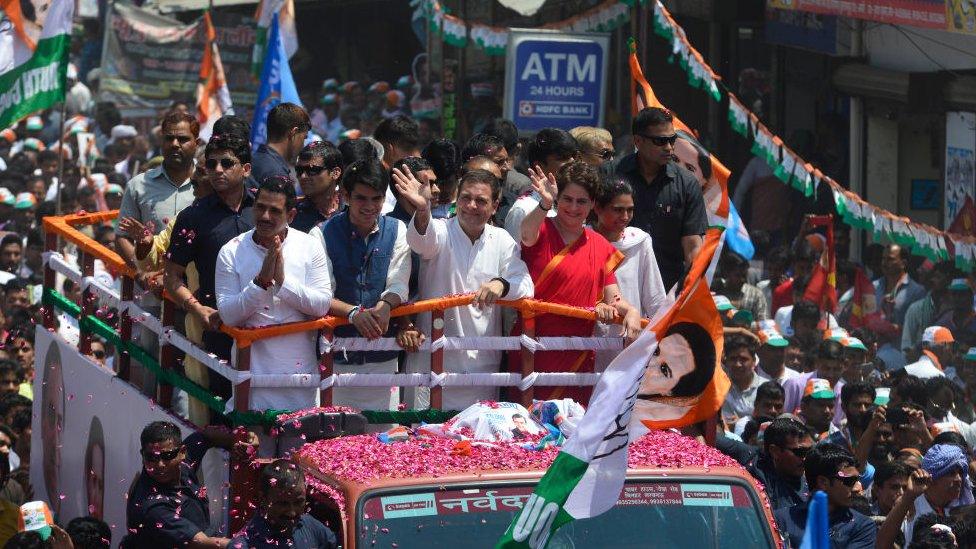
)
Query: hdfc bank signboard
[{"x": 555, "y": 79}]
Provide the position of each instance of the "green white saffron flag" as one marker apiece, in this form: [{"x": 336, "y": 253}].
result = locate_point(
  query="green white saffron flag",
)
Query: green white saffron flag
[{"x": 32, "y": 74}]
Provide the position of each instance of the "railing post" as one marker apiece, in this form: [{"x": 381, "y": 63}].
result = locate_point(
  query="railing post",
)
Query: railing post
[
  {"x": 437, "y": 357},
  {"x": 167, "y": 353},
  {"x": 326, "y": 368},
  {"x": 528, "y": 358},
  {"x": 239, "y": 473},
  {"x": 125, "y": 327},
  {"x": 50, "y": 276},
  {"x": 242, "y": 391},
  {"x": 89, "y": 301}
]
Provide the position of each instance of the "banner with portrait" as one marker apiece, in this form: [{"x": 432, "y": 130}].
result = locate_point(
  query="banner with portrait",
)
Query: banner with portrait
[{"x": 85, "y": 438}]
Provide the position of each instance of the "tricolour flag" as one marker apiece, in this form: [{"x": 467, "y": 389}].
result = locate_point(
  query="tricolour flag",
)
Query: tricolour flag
[
  {"x": 669, "y": 377},
  {"x": 213, "y": 97},
  {"x": 277, "y": 85},
  {"x": 285, "y": 9},
  {"x": 32, "y": 72}
]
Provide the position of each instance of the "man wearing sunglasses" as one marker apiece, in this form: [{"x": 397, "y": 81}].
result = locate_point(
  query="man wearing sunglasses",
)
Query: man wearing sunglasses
[
  {"x": 199, "y": 233},
  {"x": 779, "y": 467},
  {"x": 668, "y": 201},
  {"x": 167, "y": 506},
  {"x": 830, "y": 469},
  {"x": 319, "y": 169}
]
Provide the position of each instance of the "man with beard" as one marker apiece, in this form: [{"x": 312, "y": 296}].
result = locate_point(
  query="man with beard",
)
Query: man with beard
[
  {"x": 153, "y": 198},
  {"x": 280, "y": 519},
  {"x": 275, "y": 274}
]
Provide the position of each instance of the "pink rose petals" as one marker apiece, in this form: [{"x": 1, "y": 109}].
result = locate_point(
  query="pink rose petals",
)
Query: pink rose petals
[
  {"x": 285, "y": 418},
  {"x": 363, "y": 459}
]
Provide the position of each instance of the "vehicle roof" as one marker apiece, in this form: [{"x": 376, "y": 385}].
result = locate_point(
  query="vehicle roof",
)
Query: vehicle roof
[{"x": 359, "y": 463}]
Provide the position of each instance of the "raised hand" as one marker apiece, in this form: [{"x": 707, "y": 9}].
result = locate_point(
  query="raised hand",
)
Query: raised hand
[
  {"x": 411, "y": 190},
  {"x": 545, "y": 185},
  {"x": 135, "y": 230}
]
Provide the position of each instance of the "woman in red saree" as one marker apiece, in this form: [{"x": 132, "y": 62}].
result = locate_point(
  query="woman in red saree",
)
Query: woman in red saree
[{"x": 572, "y": 265}]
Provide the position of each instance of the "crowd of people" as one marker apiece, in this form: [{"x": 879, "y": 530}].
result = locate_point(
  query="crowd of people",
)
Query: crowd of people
[{"x": 874, "y": 407}]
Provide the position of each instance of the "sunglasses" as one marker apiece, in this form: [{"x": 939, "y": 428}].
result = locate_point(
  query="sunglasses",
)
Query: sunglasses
[
  {"x": 98, "y": 354},
  {"x": 605, "y": 154},
  {"x": 660, "y": 140},
  {"x": 225, "y": 163},
  {"x": 848, "y": 481},
  {"x": 800, "y": 451},
  {"x": 153, "y": 457},
  {"x": 310, "y": 170}
]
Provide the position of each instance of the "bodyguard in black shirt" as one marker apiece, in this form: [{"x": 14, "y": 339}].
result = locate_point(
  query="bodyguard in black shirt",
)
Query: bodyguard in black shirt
[
  {"x": 202, "y": 229},
  {"x": 668, "y": 201},
  {"x": 167, "y": 507}
]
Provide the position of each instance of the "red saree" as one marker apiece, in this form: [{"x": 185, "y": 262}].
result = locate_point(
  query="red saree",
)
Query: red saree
[{"x": 573, "y": 274}]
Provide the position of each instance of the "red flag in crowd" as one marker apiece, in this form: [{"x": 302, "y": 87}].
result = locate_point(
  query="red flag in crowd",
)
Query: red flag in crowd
[
  {"x": 822, "y": 288},
  {"x": 864, "y": 303},
  {"x": 213, "y": 97},
  {"x": 965, "y": 222}
]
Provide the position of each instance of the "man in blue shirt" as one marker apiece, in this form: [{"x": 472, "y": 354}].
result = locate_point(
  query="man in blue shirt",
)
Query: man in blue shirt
[
  {"x": 779, "y": 468},
  {"x": 288, "y": 126},
  {"x": 831, "y": 469},
  {"x": 280, "y": 520}
]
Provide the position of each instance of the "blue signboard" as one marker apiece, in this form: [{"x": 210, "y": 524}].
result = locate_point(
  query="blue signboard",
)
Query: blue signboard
[{"x": 555, "y": 80}]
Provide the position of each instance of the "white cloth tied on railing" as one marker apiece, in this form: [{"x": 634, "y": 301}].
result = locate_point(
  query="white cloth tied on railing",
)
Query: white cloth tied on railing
[
  {"x": 497, "y": 379},
  {"x": 209, "y": 360},
  {"x": 480, "y": 343}
]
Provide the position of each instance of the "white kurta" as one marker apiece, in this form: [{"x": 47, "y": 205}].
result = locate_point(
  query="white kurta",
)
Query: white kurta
[
  {"x": 305, "y": 294},
  {"x": 640, "y": 282},
  {"x": 452, "y": 264}
]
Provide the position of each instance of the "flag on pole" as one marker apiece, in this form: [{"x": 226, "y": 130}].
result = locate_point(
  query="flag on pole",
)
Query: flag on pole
[
  {"x": 277, "y": 85},
  {"x": 32, "y": 72},
  {"x": 669, "y": 377},
  {"x": 822, "y": 288},
  {"x": 285, "y": 9},
  {"x": 213, "y": 97}
]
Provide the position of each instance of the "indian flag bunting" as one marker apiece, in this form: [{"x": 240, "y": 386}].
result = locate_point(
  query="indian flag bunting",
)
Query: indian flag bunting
[
  {"x": 491, "y": 39},
  {"x": 738, "y": 117},
  {"x": 453, "y": 31},
  {"x": 787, "y": 167},
  {"x": 33, "y": 69},
  {"x": 213, "y": 97}
]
